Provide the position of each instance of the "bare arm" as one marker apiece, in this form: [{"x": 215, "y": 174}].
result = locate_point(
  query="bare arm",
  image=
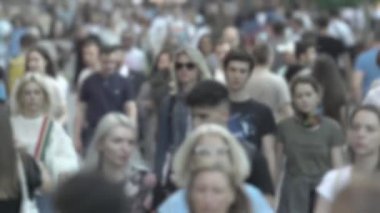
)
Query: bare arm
[
  {"x": 79, "y": 124},
  {"x": 131, "y": 111},
  {"x": 279, "y": 162},
  {"x": 285, "y": 111},
  {"x": 337, "y": 156},
  {"x": 46, "y": 180},
  {"x": 322, "y": 206},
  {"x": 357, "y": 81},
  {"x": 270, "y": 154}
]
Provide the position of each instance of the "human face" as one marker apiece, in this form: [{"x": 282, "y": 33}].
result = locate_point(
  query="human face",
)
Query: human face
[
  {"x": 36, "y": 62},
  {"x": 212, "y": 149},
  {"x": 91, "y": 54},
  {"x": 186, "y": 70},
  {"x": 237, "y": 74},
  {"x": 209, "y": 115},
  {"x": 211, "y": 192},
  {"x": 364, "y": 133},
  {"x": 164, "y": 62},
  {"x": 118, "y": 146},
  {"x": 33, "y": 97},
  {"x": 110, "y": 62},
  {"x": 306, "y": 99},
  {"x": 206, "y": 45}
]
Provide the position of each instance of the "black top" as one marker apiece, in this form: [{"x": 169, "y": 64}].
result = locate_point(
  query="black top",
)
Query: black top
[
  {"x": 251, "y": 121},
  {"x": 104, "y": 94},
  {"x": 330, "y": 46},
  {"x": 33, "y": 175}
]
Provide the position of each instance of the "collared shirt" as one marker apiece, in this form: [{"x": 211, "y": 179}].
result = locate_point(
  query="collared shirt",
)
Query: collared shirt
[{"x": 104, "y": 94}]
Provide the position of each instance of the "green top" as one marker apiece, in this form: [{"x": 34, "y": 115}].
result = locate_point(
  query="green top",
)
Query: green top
[{"x": 308, "y": 151}]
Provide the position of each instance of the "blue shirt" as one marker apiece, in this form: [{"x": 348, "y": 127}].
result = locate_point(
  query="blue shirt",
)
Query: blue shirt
[
  {"x": 177, "y": 202},
  {"x": 366, "y": 63}
]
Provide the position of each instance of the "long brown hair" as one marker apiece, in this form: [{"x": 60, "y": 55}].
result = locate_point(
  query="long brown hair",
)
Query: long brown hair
[
  {"x": 326, "y": 71},
  {"x": 8, "y": 166},
  {"x": 241, "y": 202}
]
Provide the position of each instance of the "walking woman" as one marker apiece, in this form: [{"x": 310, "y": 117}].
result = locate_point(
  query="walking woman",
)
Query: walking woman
[
  {"x": 113, "y": 154},
  {"x": 39, "y": 61},
  {"x": 311, "y": 144},
  {"x": 20, "y": 174},
  {"x": 364, "y": 141},
  {"x": 215, "y": 144},
  {"x": 37, "y": 133}
]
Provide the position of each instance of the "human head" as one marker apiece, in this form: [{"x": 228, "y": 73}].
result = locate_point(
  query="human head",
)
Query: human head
[
  {"x": 164, "y": 61},
  {"x": 113, "y": 143},
  {"x": 231, "y": 36},
  {"x": 91, "y": 48},
  {"x": 190, "y": 67},
  {"x": 127, "y": 39},
  {"x": 206, "y": 45},
  {"x": 262, "y": 54},
  {"x": 364, "y": 131},
  {"x": 222, "y": 48},
  {"x": 8, "y": 174},
  {"x": 27, "y": 41},
  {"x": 209, "y": 103},
  {"x": 214, "y": 188},
  {"x": 32, "y": 95},
  {"x": 209, "y": 143},
  {"x": 238, "y": 66},
  {"x": 306, "y": 52},
  {"x": 95, "y": 192},
  {"x": 109, "y": 60},
  {"x": 322, "y": 22},
  {"x": 38, "y": 60},
  {"x": 305, "y": 94}
]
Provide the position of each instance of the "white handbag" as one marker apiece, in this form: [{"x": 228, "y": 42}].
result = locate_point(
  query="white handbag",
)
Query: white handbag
[{"x": 27, "y": 205}]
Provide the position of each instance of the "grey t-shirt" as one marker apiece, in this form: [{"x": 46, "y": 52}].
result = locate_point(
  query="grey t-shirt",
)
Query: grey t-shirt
[{"x": 308, "y": 151}]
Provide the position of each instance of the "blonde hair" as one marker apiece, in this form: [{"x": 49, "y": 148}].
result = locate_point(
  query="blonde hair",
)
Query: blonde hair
[
  {"x": 104, "y": 127},
  {"x": 16, "y": 101},
  {"x": 197, "y": 58},
  {"x": 183, "y": 156}
]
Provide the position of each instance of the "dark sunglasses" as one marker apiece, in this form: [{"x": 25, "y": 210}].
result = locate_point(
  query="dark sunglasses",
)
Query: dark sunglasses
[{"x": 188, "y": 66}]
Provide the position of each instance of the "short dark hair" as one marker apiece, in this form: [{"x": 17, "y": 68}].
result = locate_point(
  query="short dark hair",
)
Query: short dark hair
[
  {"x": 94, "y": 193},
  {"x": 28, "y": 40},
  {"x": 92, "y": 40},
  {"x": 207, "y": 93},
  {"x": 239, "y": 55},
  {"x": 322, "y": 21},
  {"x": 261, "y": 54},
  {"x": 302, "y": 47},
  {"x": 107, "y": 50}
]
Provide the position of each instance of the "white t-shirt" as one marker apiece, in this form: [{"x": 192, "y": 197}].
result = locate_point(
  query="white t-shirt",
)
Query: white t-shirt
[
  {"x": 373, "y": 97},
  {"x": 334, "y": 182}
]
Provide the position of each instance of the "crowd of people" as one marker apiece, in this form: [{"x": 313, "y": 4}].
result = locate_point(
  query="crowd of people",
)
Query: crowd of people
[{"x": 188, "y": 107}]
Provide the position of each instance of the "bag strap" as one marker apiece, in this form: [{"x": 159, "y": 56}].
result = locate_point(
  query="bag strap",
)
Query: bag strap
[
  {"x": 23, "y": 179},
  {"x": 43, "y": 139}
]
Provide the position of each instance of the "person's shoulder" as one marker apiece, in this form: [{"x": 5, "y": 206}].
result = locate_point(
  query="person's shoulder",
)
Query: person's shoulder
[
  {"x": 287, "y": 121},
  {"x": 176, "y": 201},
  {"x": 330, "y": 123}
]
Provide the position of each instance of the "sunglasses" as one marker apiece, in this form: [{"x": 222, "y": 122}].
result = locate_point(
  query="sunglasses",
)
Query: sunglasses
[{"x": 188, "y": 66}]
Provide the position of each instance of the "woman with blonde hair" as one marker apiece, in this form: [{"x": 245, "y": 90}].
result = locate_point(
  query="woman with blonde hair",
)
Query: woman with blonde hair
[
  {"x": 37, "y": 133},
  {"x": 211, "y": 143},
  {"x": 214, "y": 188},
  {"x": 189, "y": 69},
  {"x": 113, "y": 153}
]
